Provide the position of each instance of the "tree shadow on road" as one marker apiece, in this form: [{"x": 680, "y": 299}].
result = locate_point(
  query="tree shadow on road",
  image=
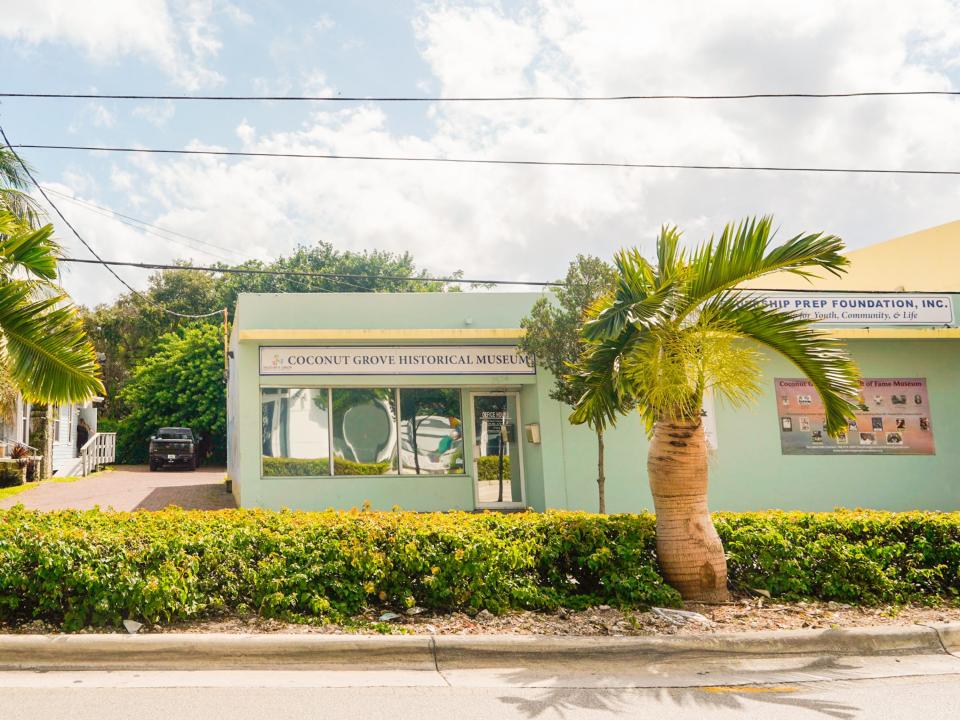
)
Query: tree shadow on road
[
  {"x": 202, "y": 496},
  {"x": 566, "y": 700}
]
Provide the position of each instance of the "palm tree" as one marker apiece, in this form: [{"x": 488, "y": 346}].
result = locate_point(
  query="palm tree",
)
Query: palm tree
[
  {"x": 43, "y": 345},
  {"x": 670, "y": 331}
]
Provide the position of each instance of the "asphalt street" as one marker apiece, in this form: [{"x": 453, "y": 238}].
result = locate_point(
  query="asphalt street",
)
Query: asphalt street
[{"x": 261, "y": 695}]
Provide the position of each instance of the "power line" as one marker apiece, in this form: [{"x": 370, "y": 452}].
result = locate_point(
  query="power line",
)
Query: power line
[
  {"x": 482, "y": 161},
  {"x": 302, "y": 273},
  {"x": 151, "y": 228},
  {"x": 539, "y": 283},
  {"x": 93, "y": 252},
  {"x": 147, "y": 226},
  {"x": 485, "y": 98}
]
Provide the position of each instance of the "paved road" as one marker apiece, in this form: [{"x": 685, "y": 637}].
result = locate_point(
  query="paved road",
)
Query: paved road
[
  {"x": 398, "y": 696},
  {"x": 131, "y": 487}
]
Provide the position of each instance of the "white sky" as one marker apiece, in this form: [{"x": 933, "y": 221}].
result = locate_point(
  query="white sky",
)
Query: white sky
[{"x": 512, "y": 222}]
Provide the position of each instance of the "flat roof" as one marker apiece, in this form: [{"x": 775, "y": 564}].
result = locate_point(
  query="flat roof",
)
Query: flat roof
[{"x": 383, "y": 311}]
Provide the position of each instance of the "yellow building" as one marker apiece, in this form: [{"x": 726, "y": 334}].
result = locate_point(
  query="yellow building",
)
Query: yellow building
[{"x": 927, "y": 260}]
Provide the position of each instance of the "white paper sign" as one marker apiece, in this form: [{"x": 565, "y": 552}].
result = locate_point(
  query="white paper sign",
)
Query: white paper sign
[
  {"x": 867, "y": 308},
  {"x": 397, "y": 360}
]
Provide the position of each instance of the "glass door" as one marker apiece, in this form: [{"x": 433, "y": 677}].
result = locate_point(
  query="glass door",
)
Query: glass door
[{"x": 497, "y": 460}]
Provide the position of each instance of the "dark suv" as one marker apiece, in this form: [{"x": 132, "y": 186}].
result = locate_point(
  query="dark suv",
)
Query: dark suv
[{"x": 173, "y": 447}]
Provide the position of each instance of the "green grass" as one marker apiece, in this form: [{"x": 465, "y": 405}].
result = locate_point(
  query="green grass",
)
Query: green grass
[{"x": 17, "y": 489}]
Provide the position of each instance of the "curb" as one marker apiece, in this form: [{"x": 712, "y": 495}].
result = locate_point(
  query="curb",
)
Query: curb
[{"x": 196, "y": 651}]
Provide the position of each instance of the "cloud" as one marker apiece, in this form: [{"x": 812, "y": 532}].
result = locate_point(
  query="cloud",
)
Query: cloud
[
  {"x": 527, "y": 223},
  {"x": 324, "y": 23},
  {"x": 177, "y": 36},
  {"x": 156, "y": 113}
]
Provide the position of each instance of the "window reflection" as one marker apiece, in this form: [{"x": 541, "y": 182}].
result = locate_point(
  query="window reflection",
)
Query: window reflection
[
  {"x": 431, "y": 432},
  {"x": 364, "y": 431},
  {"x": 296, "y": 437}
]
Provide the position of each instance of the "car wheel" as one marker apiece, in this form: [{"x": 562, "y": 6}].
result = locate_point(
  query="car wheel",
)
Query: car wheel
[
  {"x": 192, "y": 465},
  {"x": 153, "y": 466}
]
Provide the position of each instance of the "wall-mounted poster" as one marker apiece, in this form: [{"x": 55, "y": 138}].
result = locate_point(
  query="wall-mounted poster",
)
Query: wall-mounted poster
[{"x": 894, "y": 419}]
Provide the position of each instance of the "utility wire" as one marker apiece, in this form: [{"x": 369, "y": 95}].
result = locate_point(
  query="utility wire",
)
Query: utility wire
[
  {"x": 151, "y": 228},
  {"x": 147, "y": 226},
  {"x": 253, "y": 271},
  {"x": 79, "y": 237},
  {"x": 302, "y": 273},
  {"x": 484, "y": 98},
  {"x": 481, "y": 161}
]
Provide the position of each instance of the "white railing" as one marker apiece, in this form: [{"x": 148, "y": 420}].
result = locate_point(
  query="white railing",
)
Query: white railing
[{"x": 99, "y": 450}]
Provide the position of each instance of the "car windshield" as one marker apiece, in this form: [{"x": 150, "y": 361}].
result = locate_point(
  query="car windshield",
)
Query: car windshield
[{"x": 168, "y": 434}]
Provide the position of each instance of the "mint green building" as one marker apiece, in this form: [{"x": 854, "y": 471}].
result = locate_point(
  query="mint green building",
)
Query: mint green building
[{"x": 422, "y": 401}]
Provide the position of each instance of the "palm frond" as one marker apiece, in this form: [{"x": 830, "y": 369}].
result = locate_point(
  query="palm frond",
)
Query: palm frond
[
  {"x": 743, "y": 253},
  {"x": 45, "y": 346},
  {"x": 635, "y": 301},
  {"x": 32, "y": 250},
  {"x": 823, "y": 360}
]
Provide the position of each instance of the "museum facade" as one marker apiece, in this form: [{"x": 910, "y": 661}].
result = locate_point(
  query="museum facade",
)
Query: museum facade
[{"x": 423, "y": 401}]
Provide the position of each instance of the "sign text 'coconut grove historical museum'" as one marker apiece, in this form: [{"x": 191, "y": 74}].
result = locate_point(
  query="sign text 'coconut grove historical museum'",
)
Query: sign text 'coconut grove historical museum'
[{"x": 398, "y": 360}]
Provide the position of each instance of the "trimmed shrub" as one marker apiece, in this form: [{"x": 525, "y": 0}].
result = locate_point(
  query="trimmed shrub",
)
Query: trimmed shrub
[
  {"x": 11, "y": 474},
  {"x": 489, "y": 465},
  {"x": 301, "y": 467},
  {"x": 83, "y": 568},
  {"x": 853, "y": 556}
]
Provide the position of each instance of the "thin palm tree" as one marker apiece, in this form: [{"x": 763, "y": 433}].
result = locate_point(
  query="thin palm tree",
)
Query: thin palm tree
[
  {"x": 673, "y": 329},
  {"x": 43, "y": 345}
]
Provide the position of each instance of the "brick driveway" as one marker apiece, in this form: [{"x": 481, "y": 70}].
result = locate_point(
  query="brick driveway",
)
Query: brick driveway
[{"x": 131, "y": 487}]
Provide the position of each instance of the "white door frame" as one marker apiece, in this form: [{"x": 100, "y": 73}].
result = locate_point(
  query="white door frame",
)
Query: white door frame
[{"x": 515, "y": 394}]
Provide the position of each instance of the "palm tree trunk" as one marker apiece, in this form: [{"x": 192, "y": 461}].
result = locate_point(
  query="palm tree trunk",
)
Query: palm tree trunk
[
  {"x": 601, "y": 475},
  {"x": 688, "y": 547}
]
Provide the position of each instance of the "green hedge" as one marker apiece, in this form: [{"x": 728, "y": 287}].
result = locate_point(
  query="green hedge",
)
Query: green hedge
[
  {"x": 300, "y": 467},
  {"x": 489, "y": 465},
  {"x": 858, "y": 556},
  {"x": 82, "y": 568}
]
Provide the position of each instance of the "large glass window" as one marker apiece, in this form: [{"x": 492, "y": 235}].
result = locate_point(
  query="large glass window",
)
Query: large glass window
[
  {"x": 364, "y": 431},
  {"x": 296, "y": 433},
  {"x": 431, "y": 431}
]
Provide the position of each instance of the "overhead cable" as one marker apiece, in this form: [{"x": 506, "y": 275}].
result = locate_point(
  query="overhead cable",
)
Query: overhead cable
[
  {"x": 485, "y": 98},
  {"x": 304, "y": 273},
  {"x": 93, "y": 252},
  {"x": 483, "y": 161}
]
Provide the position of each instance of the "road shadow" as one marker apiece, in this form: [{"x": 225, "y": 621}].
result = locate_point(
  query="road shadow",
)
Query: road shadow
[
  {"x": 201, "y": 496},
  {"x": 744, "y": 698}
]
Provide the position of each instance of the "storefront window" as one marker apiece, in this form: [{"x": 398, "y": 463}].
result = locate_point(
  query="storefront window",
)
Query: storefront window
[
  {"x": 364, "y": 431},
  {"x": 431, "y": 432},
  {"x": 296, "y": 434}
]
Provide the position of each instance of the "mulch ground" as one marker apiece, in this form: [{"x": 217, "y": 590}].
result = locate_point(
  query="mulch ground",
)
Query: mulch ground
[{"x": 741, "y": 615}]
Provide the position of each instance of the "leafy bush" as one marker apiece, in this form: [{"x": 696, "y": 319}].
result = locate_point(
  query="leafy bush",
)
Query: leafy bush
[
  {"x": 856, "y": 556},
  {"x": 11, "y": 474},
  {"x": 300, "y": 467},
  {"x": 180, "y": 384},
  {"x": 489, "y": 465},
  {"x": 81, "y": 568}
]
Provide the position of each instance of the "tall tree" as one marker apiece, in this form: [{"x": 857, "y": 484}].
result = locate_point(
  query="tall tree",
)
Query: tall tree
[
  {"x": 553, "y": 337},
  {"x": 678, "y": 326},
  {"x": 180, "y": 385}
]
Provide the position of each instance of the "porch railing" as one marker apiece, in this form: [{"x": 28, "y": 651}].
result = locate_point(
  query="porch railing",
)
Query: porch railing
[{"x": 99, "y": 450}]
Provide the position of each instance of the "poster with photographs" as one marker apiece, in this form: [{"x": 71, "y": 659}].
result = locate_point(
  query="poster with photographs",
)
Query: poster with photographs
[{"x": 894, "y": 419}]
